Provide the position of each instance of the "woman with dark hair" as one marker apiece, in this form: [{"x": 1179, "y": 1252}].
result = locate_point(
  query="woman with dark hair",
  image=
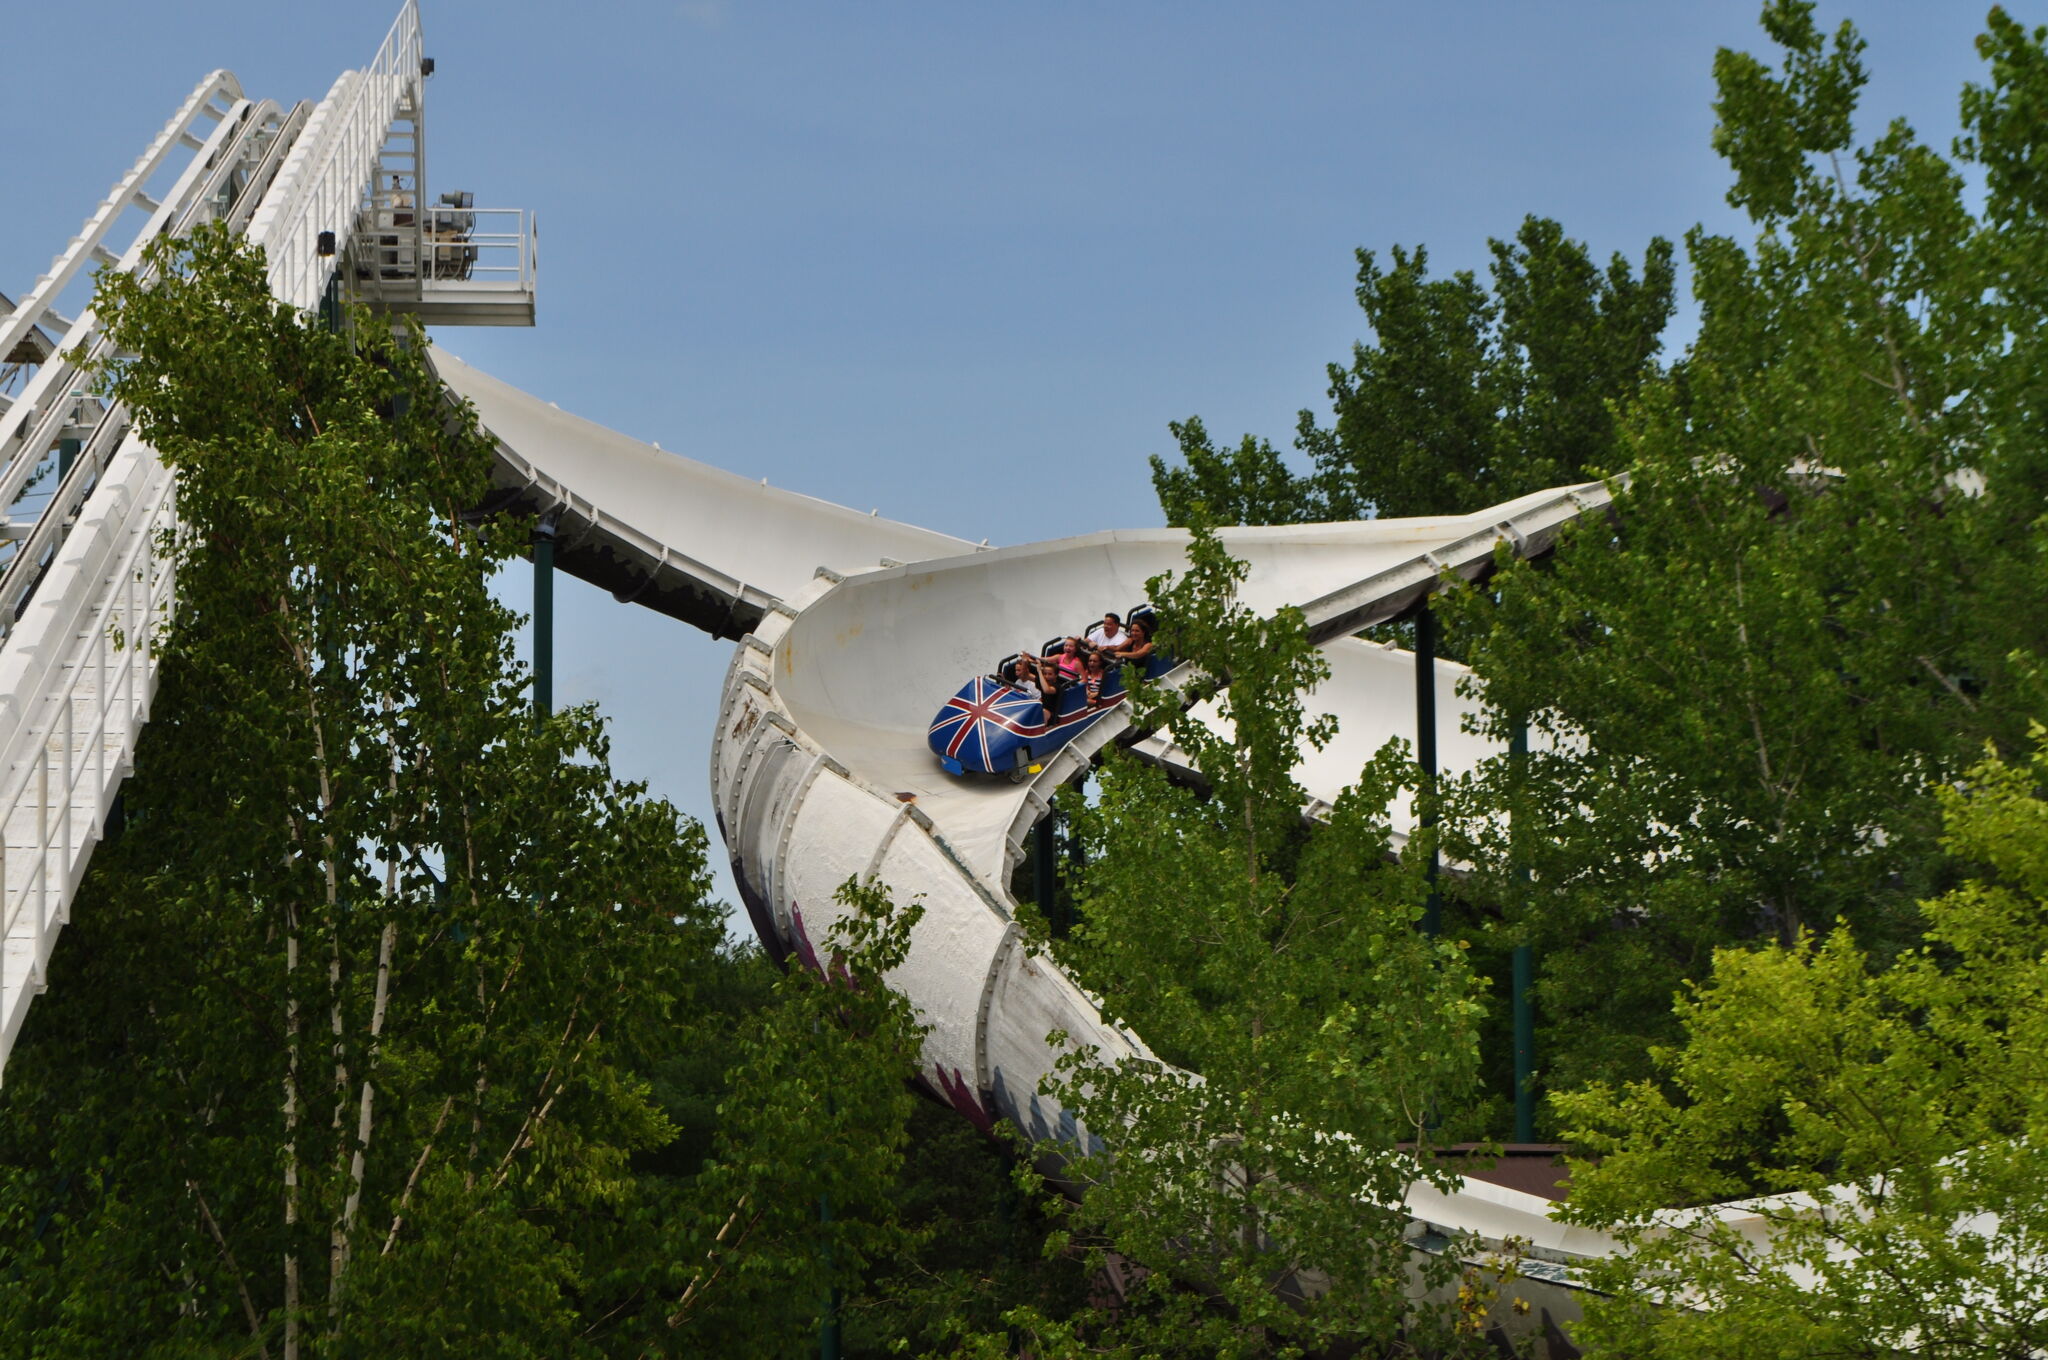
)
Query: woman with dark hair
[
  {"x": 1057, "y": 670},
  {"x": 1137, "y": 648}
]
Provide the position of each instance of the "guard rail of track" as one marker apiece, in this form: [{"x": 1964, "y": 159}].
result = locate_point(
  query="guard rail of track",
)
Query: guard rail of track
[
  {"x": 78, "y": 663},
  {"x": 322, "y": 185}
]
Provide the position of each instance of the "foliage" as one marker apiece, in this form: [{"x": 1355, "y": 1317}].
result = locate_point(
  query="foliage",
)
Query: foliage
[
  {"x": 1806, "y": 609},
  {"x": 1467, "y": 400},
  {"x": 1815, "y": 604},
  {"x": 975, "y": 1248},
  {"x": 348, "y": 1051},
  {"x": 1466, "y": 396},
  {"x": 1250, "y": 484},
  {"x": 383, "y": 953},
  {"x": 797, "y": 1202},
  {"x": 1257, "y": 1185},
  {"x": 1893, "y": 1120}
]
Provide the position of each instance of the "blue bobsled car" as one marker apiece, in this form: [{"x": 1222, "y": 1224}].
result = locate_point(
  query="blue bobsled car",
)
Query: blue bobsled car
[{"x": 993, "y": 727}]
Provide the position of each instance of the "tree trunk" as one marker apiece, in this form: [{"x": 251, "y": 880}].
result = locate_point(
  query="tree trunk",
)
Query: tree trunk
[
  {"x": 291, "y": 1142},
  {"x": 363, "y": 1110}
]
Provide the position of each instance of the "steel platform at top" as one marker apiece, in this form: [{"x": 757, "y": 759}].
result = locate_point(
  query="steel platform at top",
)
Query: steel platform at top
[{"x": 328, "y": 190}]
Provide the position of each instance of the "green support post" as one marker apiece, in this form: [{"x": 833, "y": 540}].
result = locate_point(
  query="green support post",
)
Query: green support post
[
  {"x": 544, "y": 618},
  {"x": 1524, "y": 978},
  {"x": 1425, "y": 753},
  {"x": 67, "y": 455},
  {"x": 1525, "y": 1045},
  {"x": 828, "y": 1325},
  {"x": 1045, "y": 871},
  {"x": 1077, "y": 864}
]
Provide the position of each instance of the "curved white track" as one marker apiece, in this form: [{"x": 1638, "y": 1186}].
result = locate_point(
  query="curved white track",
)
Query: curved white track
[
  {"x": 852, "y": 630},
  {"x": 856, "y": 629}
]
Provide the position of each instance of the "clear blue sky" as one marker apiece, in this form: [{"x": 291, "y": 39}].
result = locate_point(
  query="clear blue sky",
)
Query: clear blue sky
[{"x": 958, "y": 262}]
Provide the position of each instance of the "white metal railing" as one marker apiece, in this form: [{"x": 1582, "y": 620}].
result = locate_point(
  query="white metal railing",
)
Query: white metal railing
[
  {"x": 78, "y": 665},
  {"x": 106, "y": 600},
  {"x": 507, "y": 255},
  {"x": 60, "y": 395},
  {"x": 321, "y": 186},
  {"x": 49, "y": 391},
  {"x": 128, "y": 189},
  {"x": 398, "y": 251}
]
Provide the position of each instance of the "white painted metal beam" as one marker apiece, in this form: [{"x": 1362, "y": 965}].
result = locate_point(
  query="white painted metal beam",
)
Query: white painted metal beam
[
  {"x": 65, "y": 267},
  {"x": 71, "y": 701}
]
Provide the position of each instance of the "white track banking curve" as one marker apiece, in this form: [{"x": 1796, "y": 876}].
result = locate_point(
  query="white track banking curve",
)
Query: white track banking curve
[{"x": 820, "y": 770}]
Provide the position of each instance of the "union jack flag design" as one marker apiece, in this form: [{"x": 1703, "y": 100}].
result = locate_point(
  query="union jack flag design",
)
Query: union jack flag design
[
  {"x": 972, "y": 720},
  {"x": 981, "y": 727}
]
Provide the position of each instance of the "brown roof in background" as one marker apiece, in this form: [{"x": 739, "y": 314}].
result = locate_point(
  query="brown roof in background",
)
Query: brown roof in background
[{"x": 1534, "y": 1168}]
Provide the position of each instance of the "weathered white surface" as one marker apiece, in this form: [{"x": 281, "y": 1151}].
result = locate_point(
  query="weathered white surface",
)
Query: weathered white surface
[
  {"x": 706, "y": 545},
  {"x": 820, "y": 771}
]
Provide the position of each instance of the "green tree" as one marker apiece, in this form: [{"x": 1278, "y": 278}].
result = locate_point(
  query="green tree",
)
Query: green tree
[
  {"x": 1467, "y": 399},
  {"x": 349, "y": 1049},
  {"x": 1888, "y": 1121},
  {"x": 801, "y": 1068},
  {"x": 1250, "y": 484},
  {"x": 1466, "y": 395},
  {"x": 974, "y": 1247},
  {"x": 344, "y": 1053},
  {"x": 795, "y": 1206},
  {"x": 1258, "y": 1182},
  {"x": 1805, "y": 610}
]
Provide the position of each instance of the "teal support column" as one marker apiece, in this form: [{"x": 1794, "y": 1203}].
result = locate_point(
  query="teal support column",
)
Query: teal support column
[
  {"x": 1525, "y": 1045},
  {"x": 1425, "y": 753},
  {"x": 828, "y": 1320},
  {"x": 1524, "y": 975},
  {"x": 544, "y": 618},
  {"x": 828, "y": 1325},
  {"x": 67, "y": 455},
  {"x": 324, "y": 245},
  {"x": 1045, "y": 871}
]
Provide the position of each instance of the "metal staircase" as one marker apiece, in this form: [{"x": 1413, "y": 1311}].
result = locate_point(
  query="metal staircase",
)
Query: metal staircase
[{"x": 84, "y": 503}]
